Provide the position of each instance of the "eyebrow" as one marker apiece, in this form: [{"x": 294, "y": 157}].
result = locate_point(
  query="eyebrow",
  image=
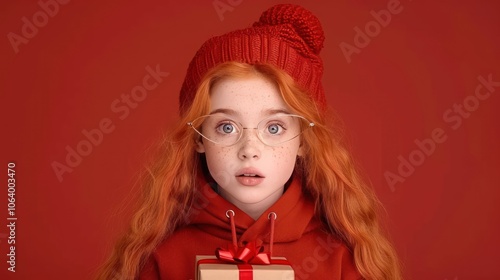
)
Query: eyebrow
[
  {"x": 225, "y": 111},
  {"x": 267, "y": 112},
  {"x": 276, "y": 111}
]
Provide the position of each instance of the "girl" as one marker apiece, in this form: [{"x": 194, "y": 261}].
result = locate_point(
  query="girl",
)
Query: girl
[{"x": 255, "y": 149}]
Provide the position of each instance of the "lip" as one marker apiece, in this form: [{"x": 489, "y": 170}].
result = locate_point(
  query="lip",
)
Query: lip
[
  {"x": 249, "y": 181},
  {"x": 249, "y": 170}
]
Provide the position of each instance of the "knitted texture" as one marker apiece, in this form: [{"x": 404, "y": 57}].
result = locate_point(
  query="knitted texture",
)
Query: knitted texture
[{"x": 286, "y": 36}]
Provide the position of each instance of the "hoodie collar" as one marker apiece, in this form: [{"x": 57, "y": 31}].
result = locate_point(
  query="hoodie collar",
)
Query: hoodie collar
[{"x": 295, "y": 216}]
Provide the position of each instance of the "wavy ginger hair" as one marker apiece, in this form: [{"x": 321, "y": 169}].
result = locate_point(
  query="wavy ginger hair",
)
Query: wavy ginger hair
[{"x": 347, "y": 207}]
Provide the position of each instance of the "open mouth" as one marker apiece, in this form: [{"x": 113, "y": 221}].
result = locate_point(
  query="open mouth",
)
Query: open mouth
[{"x": 250, "y": 175}]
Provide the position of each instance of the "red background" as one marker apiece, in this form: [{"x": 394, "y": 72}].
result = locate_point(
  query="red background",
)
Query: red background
[{"x": 443, "y": 217}]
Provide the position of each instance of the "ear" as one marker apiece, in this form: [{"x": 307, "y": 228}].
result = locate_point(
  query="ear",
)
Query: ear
[
  {"x": 300, "y": 152},
  {"x": 200, "y": 147}
]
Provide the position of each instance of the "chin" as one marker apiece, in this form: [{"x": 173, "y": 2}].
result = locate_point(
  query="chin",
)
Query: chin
[
  {"x": 253, "y": 196},
  {"x": 247, "y": 200}
]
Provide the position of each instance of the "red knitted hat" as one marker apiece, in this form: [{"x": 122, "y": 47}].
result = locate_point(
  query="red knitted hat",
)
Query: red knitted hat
[{"x": 287, "y": 36}]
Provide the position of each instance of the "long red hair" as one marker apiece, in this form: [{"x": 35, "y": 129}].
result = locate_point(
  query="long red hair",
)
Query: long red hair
[{"x": 347, "y": 207}]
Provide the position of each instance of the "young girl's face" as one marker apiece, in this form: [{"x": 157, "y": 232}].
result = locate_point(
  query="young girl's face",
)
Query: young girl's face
[{"x": 247, "y": 101}]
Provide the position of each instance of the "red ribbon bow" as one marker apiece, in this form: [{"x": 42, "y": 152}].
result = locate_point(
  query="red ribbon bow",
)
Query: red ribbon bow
[{"x": 250, "y": 253}]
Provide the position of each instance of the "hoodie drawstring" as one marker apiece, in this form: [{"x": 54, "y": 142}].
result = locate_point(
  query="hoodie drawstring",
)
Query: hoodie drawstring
[
  {"x": 271, "y": 238},
  {"x": 272, "y": 217},
  {"x": 233, "y": 227}
]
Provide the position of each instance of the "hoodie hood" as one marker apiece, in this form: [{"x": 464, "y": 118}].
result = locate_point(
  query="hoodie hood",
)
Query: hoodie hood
[{"x": 295, "y": 216}]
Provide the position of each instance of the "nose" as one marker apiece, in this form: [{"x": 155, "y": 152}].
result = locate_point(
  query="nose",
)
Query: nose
[{"x": 250, "y": 146}]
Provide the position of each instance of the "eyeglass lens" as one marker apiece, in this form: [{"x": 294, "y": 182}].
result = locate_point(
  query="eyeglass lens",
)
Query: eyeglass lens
[{"x": 273, "y": 130}]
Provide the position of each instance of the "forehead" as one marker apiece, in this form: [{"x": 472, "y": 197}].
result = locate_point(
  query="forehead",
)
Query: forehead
[{"x": 252, "y": 95}]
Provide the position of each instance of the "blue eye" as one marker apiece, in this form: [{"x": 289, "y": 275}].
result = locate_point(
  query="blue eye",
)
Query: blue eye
[
  {"x": 274, "y": 129},
  {"x": 227, "y": 128}
]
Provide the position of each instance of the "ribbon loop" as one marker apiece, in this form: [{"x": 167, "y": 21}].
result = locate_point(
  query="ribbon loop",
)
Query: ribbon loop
[{"x": 250, "y": 253}]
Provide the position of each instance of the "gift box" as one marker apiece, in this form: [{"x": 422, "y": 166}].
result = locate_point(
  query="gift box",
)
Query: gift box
[{"x": 211, "y": 268}]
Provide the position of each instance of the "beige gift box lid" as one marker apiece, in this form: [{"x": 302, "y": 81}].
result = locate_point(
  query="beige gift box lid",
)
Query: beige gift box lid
[{"x": 231, "y": 271}]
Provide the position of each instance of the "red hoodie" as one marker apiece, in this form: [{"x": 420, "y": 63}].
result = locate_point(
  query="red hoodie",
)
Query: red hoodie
[{"x": 299, "y": 236}]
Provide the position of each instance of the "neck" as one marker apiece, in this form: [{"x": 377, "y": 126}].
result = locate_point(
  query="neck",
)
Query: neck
[{"x": 256, "y": 209}]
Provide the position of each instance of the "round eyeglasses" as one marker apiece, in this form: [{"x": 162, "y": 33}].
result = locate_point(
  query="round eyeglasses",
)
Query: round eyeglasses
[{"x": 272, "y": 131}]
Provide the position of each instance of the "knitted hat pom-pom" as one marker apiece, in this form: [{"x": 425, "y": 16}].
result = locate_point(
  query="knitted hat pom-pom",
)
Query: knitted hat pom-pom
[{"x": 307, "y": 26}]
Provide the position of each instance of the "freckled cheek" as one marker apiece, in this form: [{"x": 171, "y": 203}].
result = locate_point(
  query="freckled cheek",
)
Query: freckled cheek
[
  {"x": 220, "y": 164},
  {"x": 223, "y": 158},
  {"x": 219, "y": 154},
  {"x": 283, "y": 154}
]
